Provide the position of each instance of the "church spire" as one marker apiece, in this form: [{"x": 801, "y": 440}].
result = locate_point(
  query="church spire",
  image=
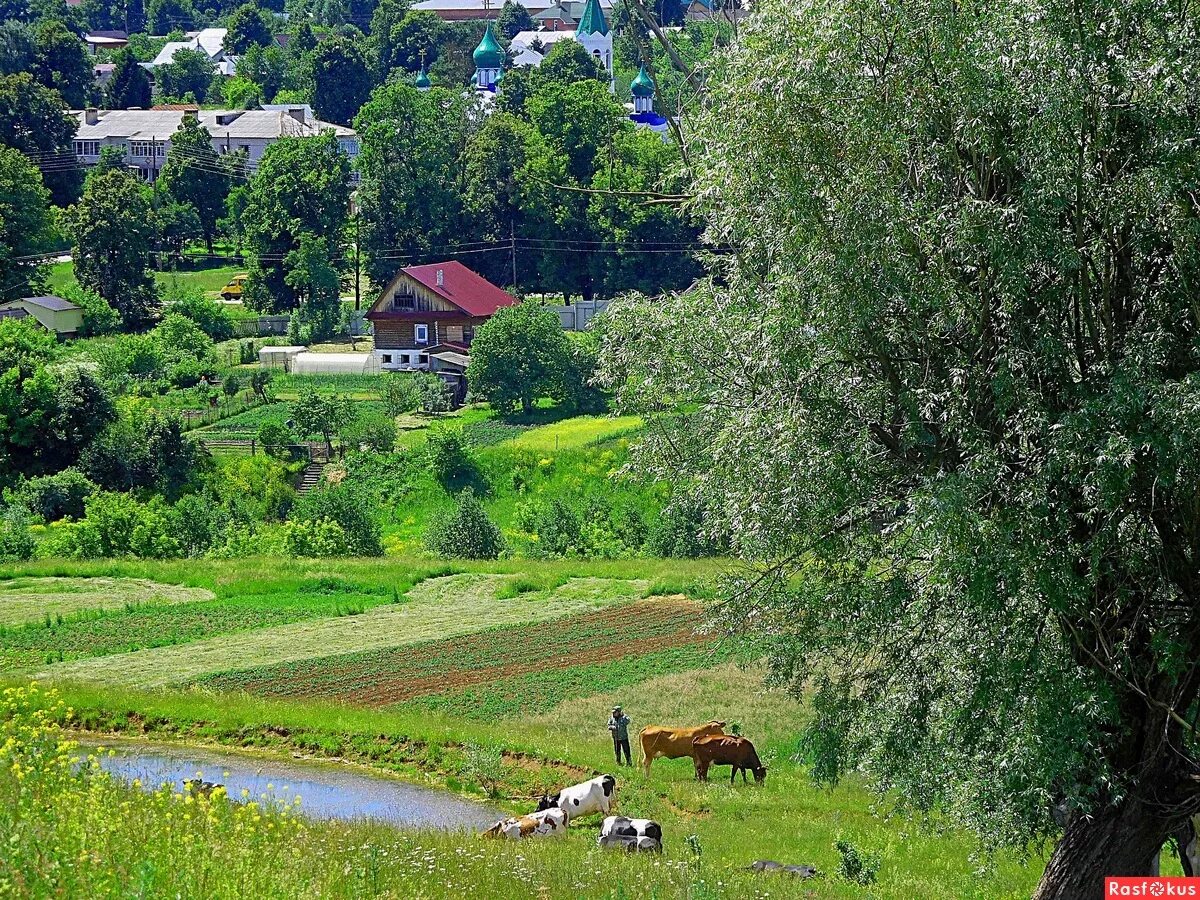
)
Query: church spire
[{"x": 592, "y": 21}]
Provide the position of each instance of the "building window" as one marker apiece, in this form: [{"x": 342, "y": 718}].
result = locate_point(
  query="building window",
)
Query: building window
[
  {"x": 87, "y": 148},
  {"x": 423, "y": 358},
  {"x": 404, "y": 358},
  {"x": 143, "y": 148},
  {"x": 387, "y": 357},
  {"x": 244, "y": 148},
  {"x": 422, "y": 334}
]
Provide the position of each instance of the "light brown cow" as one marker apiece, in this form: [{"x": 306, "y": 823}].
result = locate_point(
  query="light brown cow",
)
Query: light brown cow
[{"x": 673, "y": 743}]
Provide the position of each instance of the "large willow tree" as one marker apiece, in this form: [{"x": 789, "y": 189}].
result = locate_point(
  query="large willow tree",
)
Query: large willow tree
[{"x": 945, "y": 395}]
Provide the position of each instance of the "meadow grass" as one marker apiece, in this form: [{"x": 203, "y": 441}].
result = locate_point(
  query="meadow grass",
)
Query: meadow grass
[
  {"x": 25, "y": 600},
  {"x": 788, "y": 818},
  {"x": 435, "y": 608},
  {"x": 574, "y": 432}
]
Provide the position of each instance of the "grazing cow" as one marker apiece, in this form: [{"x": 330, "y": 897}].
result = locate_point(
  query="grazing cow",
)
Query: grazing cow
[
  {"x": 197, "y": 787},
  {"x": 765, "y": 865},
  {"x": 673, "y": 743},
  {"x": 546, "y": 823},
  {"x": 727, "y": 750},
  {"x": 595, "y": 795},
  {"x": 631, "y": 835}
]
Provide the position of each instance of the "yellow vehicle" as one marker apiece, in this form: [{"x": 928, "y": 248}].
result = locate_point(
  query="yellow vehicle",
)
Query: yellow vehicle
[{"x": 233, "y": 290}]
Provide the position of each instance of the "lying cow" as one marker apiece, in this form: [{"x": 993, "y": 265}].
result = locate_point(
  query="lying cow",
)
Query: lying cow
[
  {"x": 631, "y": 835},
  {"x": 544, "y": 823},
  {"x": 673, "y": 743},
  {"x": 593, "y": 796},
  {"x": 727, "y": 750}
]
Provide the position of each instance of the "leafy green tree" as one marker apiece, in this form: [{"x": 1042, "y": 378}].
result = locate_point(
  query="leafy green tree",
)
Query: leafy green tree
[
  {"x": 310, "y": 273},
  {"x": 513, "y": 18},
  {"x": 342, "y": 80},
  {"x": 34, "y": 120},
  {"x": 519, "y": 355},
  {"x": 60, "y": 62},
  {"x": 641, "y": 166},
  {"x": 173, "y": 223},
  {"x": 129, "y": 85},
  {"x": 569, "y": 62},
  {"x": 53, "y": 497},
  {"x": 419, "y": 32},
  {"x": 321, "y": 414},
  {"x": 166, "y": 16},
  {"x": 190, "y": 73},
  {"x": 960, "y": 305},
  {"x": 497, "y": 201},
  {"x": 301, "y": 187},
  {"x": 384, "y": 19},
  {"x": 24, "y": 224},
  {"x": 267, "y": 67},
  {"x": 410, "y": 165},
  {"x": 302, "y": 41},
  {"x": 112, "y": 230},
  {"x": 248, "y": 26},
  {"x": 467, "y": 533},
  {"x": 18, "y": 45},
  {"x": 194, "y": 174},
  {"x": 242, "y": 93}
]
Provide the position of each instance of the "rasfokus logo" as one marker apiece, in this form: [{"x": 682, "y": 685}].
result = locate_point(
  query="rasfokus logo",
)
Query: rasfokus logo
[{"x": 1145, "y": 886}]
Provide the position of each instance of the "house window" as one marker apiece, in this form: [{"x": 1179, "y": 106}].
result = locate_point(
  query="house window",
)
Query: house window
[
  {"x": 244, "y": 148},
  {"x": 422, "y": 334},
  {"x": 142, "y": 148},
  {"x": 387, "y": 357},
  {"x": 423, "y": 358},
  {"x": 404, "y": 358},
  {"x": 87, "y": 148}
]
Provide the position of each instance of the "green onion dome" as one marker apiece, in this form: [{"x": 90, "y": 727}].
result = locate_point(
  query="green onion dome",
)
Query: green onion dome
[
  {"x": 489, "y": 54},
  {"x": 643, "y": 85},
  {"x": 422, "y": 79}
]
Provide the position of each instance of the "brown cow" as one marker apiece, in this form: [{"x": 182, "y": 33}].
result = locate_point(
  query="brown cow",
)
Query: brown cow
[
  {"x": 727, "y": 750},
  {"x": 673, "y": 743}
]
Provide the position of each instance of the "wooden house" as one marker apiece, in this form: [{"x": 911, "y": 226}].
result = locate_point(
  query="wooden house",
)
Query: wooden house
[{"x": 432, "y": 310}]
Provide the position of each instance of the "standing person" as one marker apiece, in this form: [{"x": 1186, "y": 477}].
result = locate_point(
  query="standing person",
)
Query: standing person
[{"x": 618, "y": 724}]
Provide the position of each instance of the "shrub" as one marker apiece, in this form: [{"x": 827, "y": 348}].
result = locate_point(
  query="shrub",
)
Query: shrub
[
  {"x": 231, "y": 385},
  {"x": 555, "y": 526},
  {"x": 57, "y": 496},
  {"x": 435, "y": 393},
  {"x": 210, "y": 316},
  {"x": 319, "y": 537},
  {"x": 372, "y": 432},
  {"x": 450, "y": 460},
  {"x": 467, "y": 533},
  {"x": 197, "y": 524},
  {"x": 16, "y": 540},
  {"x": 259, "y": 382},
  {"x": 350, "y": 509},
  {"x": 679, "y": 533},
  {"x": 180, "y": 336},
  {"x": 118, "y": 525},
  {"x": 400, "y": 393},
  {"x": 255, "y": 488},
  {"x": 98, "y": 317},
  {"x": 856, "y": 865},
  {"x": 276, "y": 439},
  {"x": 185, "y": 372}
]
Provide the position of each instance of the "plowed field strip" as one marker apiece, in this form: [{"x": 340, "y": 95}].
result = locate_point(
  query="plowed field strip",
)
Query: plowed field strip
[{"x": 382, "y": 678}]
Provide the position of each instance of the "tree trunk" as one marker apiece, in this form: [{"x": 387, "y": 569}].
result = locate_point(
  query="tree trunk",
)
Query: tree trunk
[{"x": 1116, "y": 841}]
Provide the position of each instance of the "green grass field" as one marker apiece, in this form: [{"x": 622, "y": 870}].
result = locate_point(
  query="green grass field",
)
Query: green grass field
[
  {"x": 205, "y": 275},
  {"x": 429, "y": 670},
  {"x": 24, "y": 600}
]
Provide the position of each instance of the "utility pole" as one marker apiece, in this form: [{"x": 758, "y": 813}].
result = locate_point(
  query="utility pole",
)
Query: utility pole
[
  {"x": 512, "y": 245},
  {"x": 357, "y": 255}
]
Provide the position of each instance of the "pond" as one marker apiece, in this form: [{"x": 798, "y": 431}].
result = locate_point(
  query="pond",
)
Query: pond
[{"x": 327, "y": 790}]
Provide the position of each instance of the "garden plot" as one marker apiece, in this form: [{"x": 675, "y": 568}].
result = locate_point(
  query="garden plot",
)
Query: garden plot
[
  {"x": 436, "y": 608},
  {"x": 500, "y": 656},
  {"x": 24, "y": 600}
]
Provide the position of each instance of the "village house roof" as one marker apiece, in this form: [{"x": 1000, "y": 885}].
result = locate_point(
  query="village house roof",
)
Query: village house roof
[
  {"x": 458, "y": 10},
  {"x": 160, "y": 124},
  {"x": 58, "y": 304},
  {"x": 469, "y": 291}
]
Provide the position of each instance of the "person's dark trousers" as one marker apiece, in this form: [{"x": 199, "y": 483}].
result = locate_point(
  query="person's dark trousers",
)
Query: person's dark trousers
[{"x": 620, "y": 744}]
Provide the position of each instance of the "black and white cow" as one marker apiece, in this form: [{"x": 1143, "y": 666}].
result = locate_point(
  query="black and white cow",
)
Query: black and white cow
[
  {"x": 593, "y": 796},
  {"x": 631, "y": 834},
  {"x": 545, "y": 823}
]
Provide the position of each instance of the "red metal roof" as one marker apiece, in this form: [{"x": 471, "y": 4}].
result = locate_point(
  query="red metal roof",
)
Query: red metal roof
[{"x": 470, "y": 292}]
